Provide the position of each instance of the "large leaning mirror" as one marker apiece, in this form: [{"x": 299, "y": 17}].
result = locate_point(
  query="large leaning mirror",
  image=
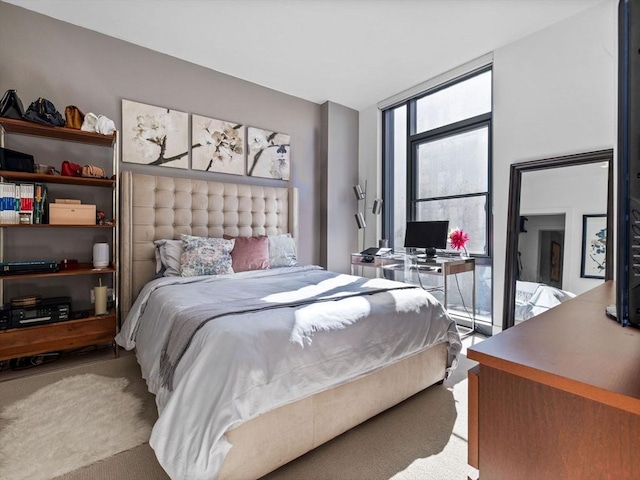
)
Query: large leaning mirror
[{"x": 560, "y": 210}]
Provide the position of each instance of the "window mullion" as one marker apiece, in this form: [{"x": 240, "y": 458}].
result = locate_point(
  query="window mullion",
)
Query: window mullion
[
  {"x": 412, "y": 186},
  {"x": 451, "y": 197},
  {"x": 455, "y": 128}
]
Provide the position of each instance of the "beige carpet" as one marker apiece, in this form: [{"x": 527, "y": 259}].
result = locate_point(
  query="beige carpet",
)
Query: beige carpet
[{"x": 423, "y": 438}]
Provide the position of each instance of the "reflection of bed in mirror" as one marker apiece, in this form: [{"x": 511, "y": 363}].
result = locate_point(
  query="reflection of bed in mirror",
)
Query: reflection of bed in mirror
[
  {"x": 558, "y": 191},
  {"x": 535, "y": 298}
]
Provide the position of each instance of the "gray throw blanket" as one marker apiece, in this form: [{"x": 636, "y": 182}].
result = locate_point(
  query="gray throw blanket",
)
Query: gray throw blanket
[{"x": 190, "y": 320}]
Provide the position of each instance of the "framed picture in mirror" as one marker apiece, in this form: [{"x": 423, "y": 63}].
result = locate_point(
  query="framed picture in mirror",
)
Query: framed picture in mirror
[{"x": 594, "y": 246}]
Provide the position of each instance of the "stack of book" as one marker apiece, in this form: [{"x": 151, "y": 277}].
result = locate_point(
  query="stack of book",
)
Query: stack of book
[{"x": 22, "y": 203}]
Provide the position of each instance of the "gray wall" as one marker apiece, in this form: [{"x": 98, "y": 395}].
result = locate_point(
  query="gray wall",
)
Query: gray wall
[
  {"x": 69, "y": 65},
  {"x": 340, "y": 173}
]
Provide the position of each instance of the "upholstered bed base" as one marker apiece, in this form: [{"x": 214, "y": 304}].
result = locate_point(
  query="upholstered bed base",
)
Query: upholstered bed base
[
  {"x": 155, "y": 207},
  {"x": 277, "y": 437}
]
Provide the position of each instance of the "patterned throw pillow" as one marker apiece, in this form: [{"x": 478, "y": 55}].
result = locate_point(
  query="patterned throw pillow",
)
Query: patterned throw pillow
[
  {"x": 282, "y": 251},
  {"x": 205, "y": 256}
]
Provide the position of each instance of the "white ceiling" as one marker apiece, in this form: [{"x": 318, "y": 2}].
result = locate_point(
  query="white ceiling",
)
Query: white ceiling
[{"x": 352, "y": 52}]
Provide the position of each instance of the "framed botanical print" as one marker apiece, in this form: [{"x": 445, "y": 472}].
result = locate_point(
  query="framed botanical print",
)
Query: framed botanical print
[
  {"x": 594, "y": 246},
  {"x": 268, "y": 154},
  {"x": 154, "y": 135},
  {"x": 217, "y": 145}
]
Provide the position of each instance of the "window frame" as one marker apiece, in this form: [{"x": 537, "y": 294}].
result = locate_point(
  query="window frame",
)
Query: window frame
[{"x": 413, "y": 139}]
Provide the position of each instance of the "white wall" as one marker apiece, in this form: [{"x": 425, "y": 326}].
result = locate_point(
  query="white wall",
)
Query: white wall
[
  {"x": 529, "y": 243},
  {"x": 554, "y": 94},
  {"x": 574, "y": 192}
]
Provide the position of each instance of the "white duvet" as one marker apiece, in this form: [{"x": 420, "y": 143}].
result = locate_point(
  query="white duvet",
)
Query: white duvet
[
  {"x": 239, "y": 366},
  {"x": 535, "y": 298}
]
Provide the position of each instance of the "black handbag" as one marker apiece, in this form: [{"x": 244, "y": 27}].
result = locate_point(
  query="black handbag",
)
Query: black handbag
[
  {"x": 11, "y": 105},
  {"x": 16, "y": 161},
  {"x": 43, "y": 111}
]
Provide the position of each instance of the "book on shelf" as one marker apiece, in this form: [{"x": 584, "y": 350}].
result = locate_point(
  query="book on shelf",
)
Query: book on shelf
[
  {"x": 25, "y": 214},
  {"x": 22, "y": 203},
  {"x": 39, "y": 199}
]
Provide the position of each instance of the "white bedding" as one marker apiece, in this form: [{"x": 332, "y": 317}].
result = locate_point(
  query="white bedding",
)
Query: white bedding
[
  {"x": 240, "y": 366},
  {"x": 535, "y": 298}
]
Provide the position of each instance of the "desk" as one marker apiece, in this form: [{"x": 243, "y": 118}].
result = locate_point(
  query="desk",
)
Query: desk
[
  {"x": 558, "y": 396},
  {"x": 385, "y": 261},
  {"x": 440, "y": 266}
]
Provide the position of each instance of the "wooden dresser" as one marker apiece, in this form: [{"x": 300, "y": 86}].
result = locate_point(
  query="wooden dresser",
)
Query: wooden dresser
[{"x": 558, "y": 396}]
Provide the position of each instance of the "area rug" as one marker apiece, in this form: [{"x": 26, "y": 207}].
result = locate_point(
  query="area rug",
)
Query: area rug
[{"x": 73, "y": 422}]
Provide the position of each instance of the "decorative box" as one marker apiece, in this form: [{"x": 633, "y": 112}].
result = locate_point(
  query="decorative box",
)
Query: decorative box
[
  {"x": 69, "y": 264},
  {"x": 71, "y": 214}
]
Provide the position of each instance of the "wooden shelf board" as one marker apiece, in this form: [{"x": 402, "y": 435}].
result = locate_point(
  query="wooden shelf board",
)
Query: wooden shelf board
[
  {"x": 83, "y": 269},
  {"x": 23, "y": 127},
  {"x": 48, "y": 225},
  {"x": 43, "y": 178},
  {"x": 20, "y": 342}
]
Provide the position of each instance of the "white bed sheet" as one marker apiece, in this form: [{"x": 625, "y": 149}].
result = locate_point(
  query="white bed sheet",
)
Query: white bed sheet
[
  {"x": 535, "y": 298},
  {"x": 241, "y": 366}
]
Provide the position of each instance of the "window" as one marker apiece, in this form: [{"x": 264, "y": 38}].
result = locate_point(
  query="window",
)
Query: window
[
  {"x": 465, "y": 99},
  {"x": 451, "y": 182},
  {"x": 437, "y": 166}
]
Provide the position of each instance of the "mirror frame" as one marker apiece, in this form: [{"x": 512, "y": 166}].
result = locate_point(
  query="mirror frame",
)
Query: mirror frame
[{"x": 513, "y": 216}]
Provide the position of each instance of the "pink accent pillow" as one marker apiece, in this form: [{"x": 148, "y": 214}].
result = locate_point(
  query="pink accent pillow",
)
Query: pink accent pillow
[{"x": 249, "y": 253}]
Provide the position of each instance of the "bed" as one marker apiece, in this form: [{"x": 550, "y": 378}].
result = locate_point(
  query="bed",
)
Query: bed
[
  {"x": 535, "y": 298},
  {"x": 280, "y": 360}
]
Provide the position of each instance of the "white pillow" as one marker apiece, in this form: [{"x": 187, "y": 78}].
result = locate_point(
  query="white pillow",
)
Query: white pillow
[
  {"x": 205, "y": 256},
  {"x": 282, "y": 251},
  {"x": 168, "y": 253}
]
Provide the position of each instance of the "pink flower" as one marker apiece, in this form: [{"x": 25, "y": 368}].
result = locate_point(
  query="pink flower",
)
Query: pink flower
[{"x": 458, "y": 239}]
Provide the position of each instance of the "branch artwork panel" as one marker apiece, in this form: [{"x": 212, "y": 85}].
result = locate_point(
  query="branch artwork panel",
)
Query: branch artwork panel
[
  {"x": 154, "y": 135},
  {"x": 594, "y": 243},
  {"x": 268, "y": 154},
  {"x": 217, "y": 145}
]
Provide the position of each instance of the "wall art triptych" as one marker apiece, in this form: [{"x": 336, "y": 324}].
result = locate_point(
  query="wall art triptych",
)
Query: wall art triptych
[
  {"x": 217, "y": 146},
  {"x": 154, "y": 135},
  {"x": 268, "y": 154},
  {"x": 160, "y": 136}
]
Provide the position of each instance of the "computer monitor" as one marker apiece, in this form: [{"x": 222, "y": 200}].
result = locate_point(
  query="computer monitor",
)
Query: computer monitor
[{"x": 428, "y": 235}]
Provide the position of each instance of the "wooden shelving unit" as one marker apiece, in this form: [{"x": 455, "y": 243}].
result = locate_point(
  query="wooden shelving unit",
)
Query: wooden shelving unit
[{"x": 77, "y": 332}]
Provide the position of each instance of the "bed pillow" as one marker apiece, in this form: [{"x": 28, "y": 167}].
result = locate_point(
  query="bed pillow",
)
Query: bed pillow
[
  {"x": 168, "y": 253},
  {"x": 249, "y": 253},
  {"x": 205, "y": 256},
  {"x": 282, "y": 251}
]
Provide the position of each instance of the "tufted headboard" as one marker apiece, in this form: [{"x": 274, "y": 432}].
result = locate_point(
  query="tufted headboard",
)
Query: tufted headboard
[{"x": 155, "y": 207}]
